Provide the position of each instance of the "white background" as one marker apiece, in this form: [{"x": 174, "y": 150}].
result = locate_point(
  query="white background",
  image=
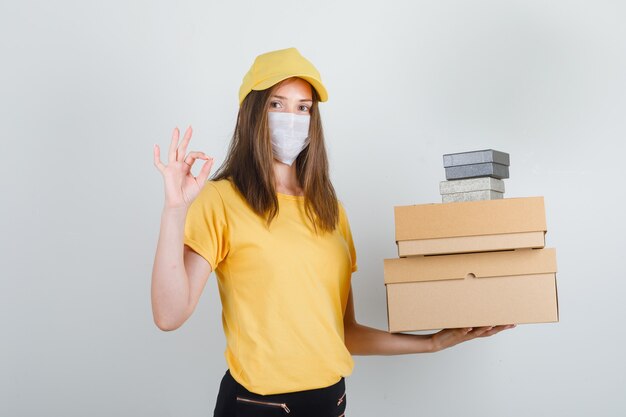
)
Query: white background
[{"x": 87, "y": 88}]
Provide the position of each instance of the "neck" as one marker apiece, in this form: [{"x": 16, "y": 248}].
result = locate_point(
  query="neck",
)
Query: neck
[{"x": 285, "y": 179}]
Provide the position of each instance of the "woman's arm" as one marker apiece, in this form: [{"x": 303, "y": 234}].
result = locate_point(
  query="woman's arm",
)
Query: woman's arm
[
  {"x": 363, "y": 340},
  {"x": 178, "y": 274}
]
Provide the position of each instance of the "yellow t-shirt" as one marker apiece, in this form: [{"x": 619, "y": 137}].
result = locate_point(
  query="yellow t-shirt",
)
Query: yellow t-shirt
[{"x": 283, "y": 289}]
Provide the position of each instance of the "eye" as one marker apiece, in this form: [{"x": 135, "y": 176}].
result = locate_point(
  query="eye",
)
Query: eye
[
  {"x": 274, "y": 102},
  {"x": 304, "y": 108}
]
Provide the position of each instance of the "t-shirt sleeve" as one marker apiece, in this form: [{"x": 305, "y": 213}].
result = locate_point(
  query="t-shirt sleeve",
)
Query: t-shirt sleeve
[
  {"x": 206, "y": 226},
  {"x": 344, "y": 228}
]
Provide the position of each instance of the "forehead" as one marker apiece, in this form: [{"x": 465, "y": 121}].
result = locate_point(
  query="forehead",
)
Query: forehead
[{"x": 294, "y": 86}]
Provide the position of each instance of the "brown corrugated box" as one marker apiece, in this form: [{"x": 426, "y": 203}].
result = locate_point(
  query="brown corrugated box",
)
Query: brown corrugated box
[
  {"x": 470, "y": 226},
  {"x": 472, "y": 289}
]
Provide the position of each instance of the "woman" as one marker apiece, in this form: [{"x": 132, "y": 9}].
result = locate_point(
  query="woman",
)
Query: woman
[{"x": 270, "y": 225}]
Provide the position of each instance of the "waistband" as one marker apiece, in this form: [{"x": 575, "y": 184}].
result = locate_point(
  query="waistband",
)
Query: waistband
[{"x": 337, "y": 385}]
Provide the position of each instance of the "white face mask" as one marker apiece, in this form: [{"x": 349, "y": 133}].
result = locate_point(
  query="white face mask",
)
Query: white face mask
[{"x": 289, "y": 133}]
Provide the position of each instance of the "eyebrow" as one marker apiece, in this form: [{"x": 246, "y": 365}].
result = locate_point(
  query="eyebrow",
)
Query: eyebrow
[{"x": 285, "y": 98}]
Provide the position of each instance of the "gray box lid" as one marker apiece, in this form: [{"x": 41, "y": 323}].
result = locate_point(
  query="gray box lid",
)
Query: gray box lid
[
  {"x": 476, "y": 157},
  {"x": 488, "y": 169}
]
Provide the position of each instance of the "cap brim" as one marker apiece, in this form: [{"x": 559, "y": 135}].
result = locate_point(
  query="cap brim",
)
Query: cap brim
[{"x": 319, "y": 87}]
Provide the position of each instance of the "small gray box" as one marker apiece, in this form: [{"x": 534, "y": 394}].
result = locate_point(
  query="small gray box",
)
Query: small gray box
[
  {"x": 472, "y": 196},
  {"x": 477, "y": 170},
  {"x": 471, "y": 184},
  {"x": 475, "y": 157}
]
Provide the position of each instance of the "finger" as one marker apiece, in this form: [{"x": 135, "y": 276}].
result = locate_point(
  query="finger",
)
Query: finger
[
  {"x": 171, "y": 157},
  {"x": 157, "y": 158},
  {"x": 456, "y": 331},
  {"x": 490, "y": 332},
  {"x": 503, "y": 327},
  {"x": 204, "y": 172},
  {"x": 480, "y": 331},
  {"x": 191, "y": 158},
  {"x": 497, "y": 329},
  {"x": 182, "y": 149},
  {"x": 461, "y": 333}
]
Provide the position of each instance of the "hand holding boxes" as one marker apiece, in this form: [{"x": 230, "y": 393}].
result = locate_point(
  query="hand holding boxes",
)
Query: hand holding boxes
[
  {"x": 471, "y": 263},
  {"x": 469, "y": 290}
]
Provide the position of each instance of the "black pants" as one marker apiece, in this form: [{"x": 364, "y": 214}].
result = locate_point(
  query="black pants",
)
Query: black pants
[{"x": 234, "y": 400}]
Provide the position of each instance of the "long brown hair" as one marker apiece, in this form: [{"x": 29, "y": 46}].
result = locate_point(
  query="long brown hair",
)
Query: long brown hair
[{"x": 249, "y": 165}]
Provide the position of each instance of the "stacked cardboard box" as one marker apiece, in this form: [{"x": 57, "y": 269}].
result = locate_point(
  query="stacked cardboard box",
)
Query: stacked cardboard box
[
  {"x": 471, "y": 263},
  {"x": 474, "y": 175}
]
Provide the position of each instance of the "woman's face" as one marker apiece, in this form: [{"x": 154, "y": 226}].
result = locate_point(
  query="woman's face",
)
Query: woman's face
[{"x": 292, "y": 95}]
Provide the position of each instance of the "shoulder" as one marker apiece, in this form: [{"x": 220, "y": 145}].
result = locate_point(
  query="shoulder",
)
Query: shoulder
[
  {"x": 343, "y": 215},
  {"x": 223, "y": 186},
  {"x": 222, "y": 189},
  {"x": 212, "y": 195},
  {"x": 342, "y": 208}
]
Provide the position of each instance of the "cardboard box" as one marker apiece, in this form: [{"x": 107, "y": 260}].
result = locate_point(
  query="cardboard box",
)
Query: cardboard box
[
  {"x": 466, "y": 244},
  {"x": 470, "y": 226},
  {"x": 469, "y": 290}
]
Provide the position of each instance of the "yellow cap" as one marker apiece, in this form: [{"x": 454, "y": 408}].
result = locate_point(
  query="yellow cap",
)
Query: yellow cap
[{"x": 272, "y": 67}]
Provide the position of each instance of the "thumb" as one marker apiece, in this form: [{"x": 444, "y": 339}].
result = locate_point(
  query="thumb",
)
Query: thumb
[{"x": 204, "y": 171}]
